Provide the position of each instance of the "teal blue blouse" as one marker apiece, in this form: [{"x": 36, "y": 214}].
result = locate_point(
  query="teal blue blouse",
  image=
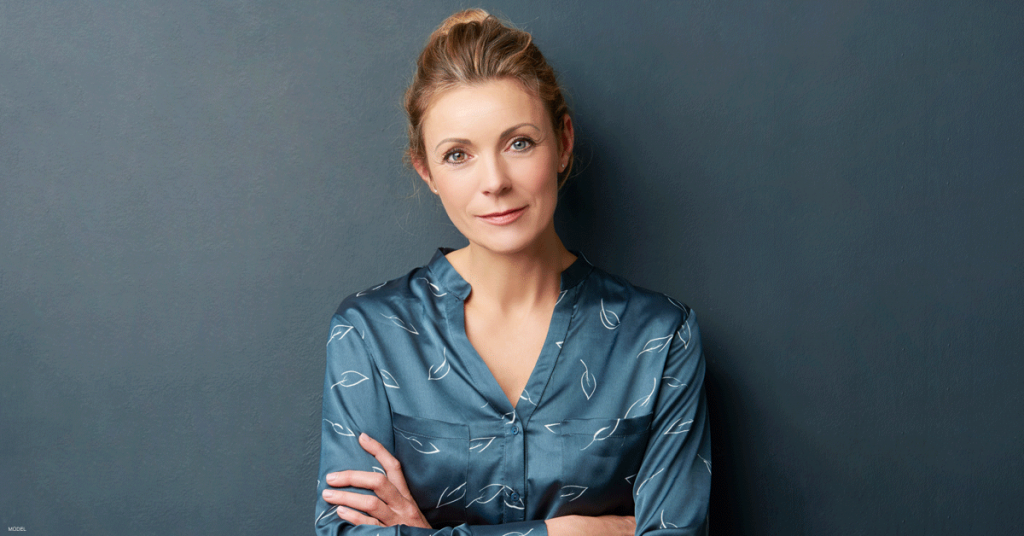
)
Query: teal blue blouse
[{"x": 613, "y": 419}]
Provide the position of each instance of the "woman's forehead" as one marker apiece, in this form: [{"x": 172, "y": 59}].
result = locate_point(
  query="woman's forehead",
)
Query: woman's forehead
[{"x": 482, "y": 110}]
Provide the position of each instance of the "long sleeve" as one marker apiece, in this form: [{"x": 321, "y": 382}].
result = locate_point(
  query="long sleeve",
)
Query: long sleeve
[
  {"x": 355, "y": 401},
  {"x": 673, "y": 486}
]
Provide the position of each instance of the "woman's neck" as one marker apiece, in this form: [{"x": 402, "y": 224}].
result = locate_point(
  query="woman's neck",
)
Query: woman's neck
[{"x": 506, "y": 282}]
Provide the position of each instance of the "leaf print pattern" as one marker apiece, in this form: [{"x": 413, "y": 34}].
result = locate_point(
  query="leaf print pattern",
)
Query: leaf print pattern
[
  {"x": 684, "y": 335},
  {"x": 388, "y": 379},
  {"x": 609, "y": 319},
  {"x": 339, "y": 332},
  {"x": 517, "y": 504},
  {"x": 434, "y": 289},
  {"x": 481, "y": 443},
  {"x": 326, "y": 512},
  {"x": 573, "y": 491},
  {"x": 350, "y": 378},
  {"x": 588, "y": 382},
  {"x": 452, "y": 496},
  {"x": 642, "y": 401},
  {"x": 526, "y": 396},
  {"x": 440, "y": 371},
  {"x": 656, "y": 345},
  {"x": 401, "y": 323},
  {"x": 706, "y": 463},
  {"x": 678, "y": 427},
  {"x": 488, "y": 493},
  {"x": 418, "y": 446},
  {"x": 642, "y": 484},
  {"x": 666, "y": 525},
  {"x": 341, "y": 430},
  {"x": 672, "y": 382},
  {"x": 599, "y": 437},
  {"x": 369, "y": 290}
]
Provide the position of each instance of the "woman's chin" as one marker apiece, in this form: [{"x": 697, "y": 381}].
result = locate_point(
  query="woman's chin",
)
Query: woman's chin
[
  {"x": 507, "y": 245},
  {"x": 502, "y": 248}
]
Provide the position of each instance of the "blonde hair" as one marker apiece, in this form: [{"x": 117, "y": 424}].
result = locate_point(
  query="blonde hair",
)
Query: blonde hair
[{"x": 472, "y": 47}]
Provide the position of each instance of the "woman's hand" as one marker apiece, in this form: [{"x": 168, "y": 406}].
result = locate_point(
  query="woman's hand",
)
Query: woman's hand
[
  {"x": 591, "y": 526},
  {"x": 391, "y": 504}
]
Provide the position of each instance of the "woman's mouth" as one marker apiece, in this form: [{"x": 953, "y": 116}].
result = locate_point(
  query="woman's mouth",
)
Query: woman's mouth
[{"x": 503, "y": 218}]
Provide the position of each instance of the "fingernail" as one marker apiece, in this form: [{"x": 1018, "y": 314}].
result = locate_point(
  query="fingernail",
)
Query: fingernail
[
  {"x": 328, "y": 494},
  {"x": 332, "y": 477},
  {"x": 363, "y": 436}
]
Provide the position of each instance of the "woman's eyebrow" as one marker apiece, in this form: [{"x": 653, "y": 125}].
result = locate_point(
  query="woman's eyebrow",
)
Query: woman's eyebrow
[
  {"x": 504, "y": 134},
  {"x": 463, "y": 141},
  {"x": 509, "y": 130}
]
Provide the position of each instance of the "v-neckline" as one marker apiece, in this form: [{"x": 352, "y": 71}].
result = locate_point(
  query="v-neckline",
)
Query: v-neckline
[{"x": 533, "y": 393}]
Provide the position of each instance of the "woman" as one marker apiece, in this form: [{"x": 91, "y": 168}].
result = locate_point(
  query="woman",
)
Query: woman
[{"x": 508, "y": 387}]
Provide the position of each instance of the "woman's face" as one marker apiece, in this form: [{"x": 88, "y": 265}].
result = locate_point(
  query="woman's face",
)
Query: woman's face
[{"x": 493, "y": 158}]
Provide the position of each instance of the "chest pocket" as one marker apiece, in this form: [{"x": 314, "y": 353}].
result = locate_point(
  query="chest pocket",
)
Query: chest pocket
[
  {"x": 434, "y": 457},
  {"x": 600, "y": 460}
]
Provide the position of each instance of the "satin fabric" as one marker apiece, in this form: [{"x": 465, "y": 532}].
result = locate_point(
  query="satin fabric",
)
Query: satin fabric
[{"x": 613, "y": 419}]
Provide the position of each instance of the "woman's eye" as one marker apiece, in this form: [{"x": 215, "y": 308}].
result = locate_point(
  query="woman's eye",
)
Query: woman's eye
[
  {"x": 521, "y": 144},
  {"x": 455, "y": 157}
]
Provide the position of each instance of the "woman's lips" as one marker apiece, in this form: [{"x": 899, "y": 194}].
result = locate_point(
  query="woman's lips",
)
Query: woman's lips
[{"x": 503, "y": 218}]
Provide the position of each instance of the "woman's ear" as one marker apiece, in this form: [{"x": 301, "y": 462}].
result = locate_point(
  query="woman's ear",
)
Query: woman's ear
[
  {"x": 566, "y": 140},
  {"x": 420, "y": 165}
]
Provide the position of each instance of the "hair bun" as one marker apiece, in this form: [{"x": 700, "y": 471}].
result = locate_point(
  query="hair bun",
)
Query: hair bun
[{"x": 462, "y": 17}]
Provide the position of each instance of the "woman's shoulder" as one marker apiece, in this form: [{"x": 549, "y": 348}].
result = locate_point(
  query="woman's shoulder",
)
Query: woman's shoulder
[
  {"x": 393, "y": 298},
  {"x": 611, "y": 291}
]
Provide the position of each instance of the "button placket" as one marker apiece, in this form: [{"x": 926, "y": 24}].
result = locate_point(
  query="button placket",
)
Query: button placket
[{"x": 515, "y": 507}]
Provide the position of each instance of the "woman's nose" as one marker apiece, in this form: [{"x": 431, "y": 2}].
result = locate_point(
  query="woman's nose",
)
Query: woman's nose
[{"x": 496, "y": 180}]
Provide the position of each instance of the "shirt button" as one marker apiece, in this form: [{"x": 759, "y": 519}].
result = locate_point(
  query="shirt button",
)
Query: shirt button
[
  {"x": 514, "y": 430},
  {"x": 514, "y": 496}
]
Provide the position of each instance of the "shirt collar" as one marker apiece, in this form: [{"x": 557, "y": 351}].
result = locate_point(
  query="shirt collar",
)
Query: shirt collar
[{"x": 446, "y": 276}]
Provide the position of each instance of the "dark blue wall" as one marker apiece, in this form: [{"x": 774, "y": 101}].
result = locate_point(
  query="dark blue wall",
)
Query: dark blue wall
[{"x": 188, "y": 189}]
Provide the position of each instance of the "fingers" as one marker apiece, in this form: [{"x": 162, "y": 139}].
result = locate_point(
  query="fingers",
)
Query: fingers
[
  {"x": 390, "y": 504},
  {"x": 391, "y": 465},
  {"x": 379, "y": 484},
  {"x": 378, "y": 451},
  {"x": 371, "y": 510},
  {"x": 356, "y": 518}
]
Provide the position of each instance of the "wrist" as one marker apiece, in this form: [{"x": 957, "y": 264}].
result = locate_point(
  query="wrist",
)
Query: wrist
[{"x": 558, "y": 526}]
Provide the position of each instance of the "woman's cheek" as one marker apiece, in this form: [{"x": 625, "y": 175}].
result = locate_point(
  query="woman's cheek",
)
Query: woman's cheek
[{"x": 538, "y": 175}]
